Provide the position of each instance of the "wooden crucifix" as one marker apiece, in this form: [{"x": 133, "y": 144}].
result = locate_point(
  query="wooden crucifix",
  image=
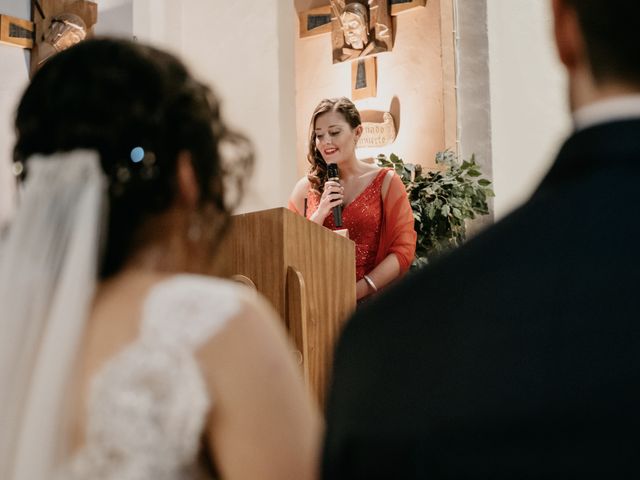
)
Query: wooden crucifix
[
  {"x": 318, "y": 20},
  {"x": 360, "y": 29},
  {"x": 56, "y": 25}
]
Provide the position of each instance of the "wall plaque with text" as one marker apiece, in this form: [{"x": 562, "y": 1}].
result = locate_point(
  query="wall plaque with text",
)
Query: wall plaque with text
[{"x": 378, "y": 134}]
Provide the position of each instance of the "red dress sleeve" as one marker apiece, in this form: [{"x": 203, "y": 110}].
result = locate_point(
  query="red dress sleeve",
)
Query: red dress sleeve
[
  {"x": 291, "y": 206},
  {"x": 397, "y": 234}
]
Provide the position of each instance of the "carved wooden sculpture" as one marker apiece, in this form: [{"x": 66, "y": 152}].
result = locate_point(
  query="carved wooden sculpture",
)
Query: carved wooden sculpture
[
  {"x": 60, "y": 24},
  {"x": 360, "y": 29}
]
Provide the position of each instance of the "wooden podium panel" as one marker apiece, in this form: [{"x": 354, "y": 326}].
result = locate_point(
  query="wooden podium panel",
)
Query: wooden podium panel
[{"x": 306, "y": 271}]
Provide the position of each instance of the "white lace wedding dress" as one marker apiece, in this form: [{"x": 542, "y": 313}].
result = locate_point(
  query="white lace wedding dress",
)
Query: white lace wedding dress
[{"x": 147, "y": 406}]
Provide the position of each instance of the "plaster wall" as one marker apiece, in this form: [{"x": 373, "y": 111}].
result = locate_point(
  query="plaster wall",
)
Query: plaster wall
[
  {"x": 412, "y": 73},
  {"x": 526, "y": 115},
  {"x": 529, "y": 114},
  {"x": 115, "y": 18},
  {"x": 472, "y": 93},
  {"x": 244, "y": 50}
]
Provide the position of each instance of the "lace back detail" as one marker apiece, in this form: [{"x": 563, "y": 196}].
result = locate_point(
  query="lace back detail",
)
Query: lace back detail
[{"x": 148, "y": 405}]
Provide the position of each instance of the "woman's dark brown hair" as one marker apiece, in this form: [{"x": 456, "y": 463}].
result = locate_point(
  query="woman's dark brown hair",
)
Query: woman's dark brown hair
[{"x": 318, "y": 171}]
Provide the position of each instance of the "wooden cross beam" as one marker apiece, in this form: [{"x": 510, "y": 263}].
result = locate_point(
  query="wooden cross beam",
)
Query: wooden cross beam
[{"x": 16, "y": 31}]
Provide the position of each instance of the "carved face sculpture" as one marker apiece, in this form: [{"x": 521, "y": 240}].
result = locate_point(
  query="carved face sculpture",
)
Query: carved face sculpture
[
  {"x": 66, "y": 30},
  {"x": 355, "y": 25}
]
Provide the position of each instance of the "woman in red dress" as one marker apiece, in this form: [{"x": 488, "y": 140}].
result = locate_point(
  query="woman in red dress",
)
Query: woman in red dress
[{"x": 376, "y": 210}]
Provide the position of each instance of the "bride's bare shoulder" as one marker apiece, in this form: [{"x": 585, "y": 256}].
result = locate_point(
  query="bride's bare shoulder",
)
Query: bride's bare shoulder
[{"x": 261, "y": 402}]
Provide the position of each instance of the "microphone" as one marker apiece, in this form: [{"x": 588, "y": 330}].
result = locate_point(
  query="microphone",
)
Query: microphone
[{"x": 332, "y": 173}]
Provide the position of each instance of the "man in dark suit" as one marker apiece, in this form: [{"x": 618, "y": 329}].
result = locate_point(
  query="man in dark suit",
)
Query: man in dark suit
[{"x": 518, "y": 355}]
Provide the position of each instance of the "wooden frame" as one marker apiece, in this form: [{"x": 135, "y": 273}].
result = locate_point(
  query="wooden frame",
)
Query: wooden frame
[
  {"x": 315, "y": 21},
  {"x": 401, "y": 6},
  {"x": 16, "y": 31},
  {"x": 364, "y": 81}
]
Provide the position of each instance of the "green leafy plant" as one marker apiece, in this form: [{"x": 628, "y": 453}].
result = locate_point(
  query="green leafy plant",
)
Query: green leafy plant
[{"x": 441, "y": 200}]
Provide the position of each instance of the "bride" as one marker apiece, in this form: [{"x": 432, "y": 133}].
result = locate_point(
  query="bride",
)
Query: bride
[{"x": 119, "y": 358}]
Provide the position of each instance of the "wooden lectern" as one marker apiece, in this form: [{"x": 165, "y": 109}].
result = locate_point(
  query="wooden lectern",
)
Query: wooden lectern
[{"x": 306, "y": 271}]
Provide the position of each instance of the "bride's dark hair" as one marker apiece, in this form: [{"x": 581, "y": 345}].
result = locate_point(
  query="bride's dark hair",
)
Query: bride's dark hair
[{"x": 113, "y": 96}]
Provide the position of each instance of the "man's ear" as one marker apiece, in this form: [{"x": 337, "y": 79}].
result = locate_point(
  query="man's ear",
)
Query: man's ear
[
  {"x": 568, "y": 36},
  {"x": 188, "y": 190}
]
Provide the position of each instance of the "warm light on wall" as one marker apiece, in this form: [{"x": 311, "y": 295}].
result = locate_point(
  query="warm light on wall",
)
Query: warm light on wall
[{"x": 410, "y": 85}]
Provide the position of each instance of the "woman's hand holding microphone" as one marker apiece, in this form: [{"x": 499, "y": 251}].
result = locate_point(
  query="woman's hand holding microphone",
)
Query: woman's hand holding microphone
[{"x": 332, "y": 196}]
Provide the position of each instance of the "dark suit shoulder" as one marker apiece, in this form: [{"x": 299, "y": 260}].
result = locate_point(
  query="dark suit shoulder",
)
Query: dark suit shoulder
[{"x": 524, "y": 333}]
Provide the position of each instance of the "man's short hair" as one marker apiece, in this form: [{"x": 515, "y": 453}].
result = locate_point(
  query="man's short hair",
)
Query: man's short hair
[{"x": 611, "y": 29}]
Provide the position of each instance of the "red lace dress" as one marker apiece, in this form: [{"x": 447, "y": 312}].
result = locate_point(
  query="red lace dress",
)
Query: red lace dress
[
  {"x": 378, "y": 227},
  {"x": 363, "y": 218}
]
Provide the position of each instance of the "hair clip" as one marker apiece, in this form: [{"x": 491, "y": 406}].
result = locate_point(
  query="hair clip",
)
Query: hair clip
[
  {"x": 141, "y": 165},
  {"x": 137, "y": 154}
]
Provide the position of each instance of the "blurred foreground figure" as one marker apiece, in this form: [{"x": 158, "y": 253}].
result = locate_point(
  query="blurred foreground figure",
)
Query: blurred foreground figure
[
  {"x": 518, "y": 355},
  {"x": 119, "y": 359}
]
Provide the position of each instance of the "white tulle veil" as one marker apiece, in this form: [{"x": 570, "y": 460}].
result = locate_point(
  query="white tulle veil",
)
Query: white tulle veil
[{"x": 48, "y": 271}]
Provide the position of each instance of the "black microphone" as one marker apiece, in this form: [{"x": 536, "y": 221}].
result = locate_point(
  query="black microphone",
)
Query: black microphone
[{"x": 332, "y": 174}]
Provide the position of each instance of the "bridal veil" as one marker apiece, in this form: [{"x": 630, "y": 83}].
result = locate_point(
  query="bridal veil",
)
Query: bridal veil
[{"x": 48, "y": 270}]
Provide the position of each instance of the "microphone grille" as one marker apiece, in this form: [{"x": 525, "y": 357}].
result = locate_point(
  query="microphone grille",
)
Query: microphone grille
[{"x": 332, "y": 170}]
